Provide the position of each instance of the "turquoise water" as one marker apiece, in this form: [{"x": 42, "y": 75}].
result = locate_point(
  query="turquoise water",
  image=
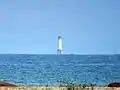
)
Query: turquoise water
[{"x": 41, "y": 70}]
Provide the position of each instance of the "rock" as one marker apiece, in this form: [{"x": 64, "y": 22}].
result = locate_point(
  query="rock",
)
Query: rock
[
  {"x": 6, "y": 84},
  {"x": 115, "y": 84}
]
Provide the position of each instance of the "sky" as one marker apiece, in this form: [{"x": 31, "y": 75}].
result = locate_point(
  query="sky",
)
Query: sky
[{"x": 33, "y": 26}]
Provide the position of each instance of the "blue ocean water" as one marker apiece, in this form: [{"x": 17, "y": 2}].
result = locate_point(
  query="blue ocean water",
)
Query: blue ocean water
[{"x": 42, "y": 70}]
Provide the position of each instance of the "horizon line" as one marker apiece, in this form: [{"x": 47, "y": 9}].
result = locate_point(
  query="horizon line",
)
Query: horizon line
[{"x": 61, "y": 54}]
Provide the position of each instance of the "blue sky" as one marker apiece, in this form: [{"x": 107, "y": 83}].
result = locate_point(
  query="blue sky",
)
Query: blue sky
[{"x": 87, "y": 26}]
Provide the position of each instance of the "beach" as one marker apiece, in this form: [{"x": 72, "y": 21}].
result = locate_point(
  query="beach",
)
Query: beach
[{"x": 57, "y": 88}]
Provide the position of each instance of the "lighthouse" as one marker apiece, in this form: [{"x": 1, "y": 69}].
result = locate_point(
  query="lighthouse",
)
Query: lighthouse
[{"x": 60, "y": 49}]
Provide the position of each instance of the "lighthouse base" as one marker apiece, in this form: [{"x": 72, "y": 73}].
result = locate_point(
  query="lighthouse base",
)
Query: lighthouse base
[{"x": 59, "y": 52}]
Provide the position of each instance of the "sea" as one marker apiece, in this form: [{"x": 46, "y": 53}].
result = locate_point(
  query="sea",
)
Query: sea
[{"x": 54, "y": 70}]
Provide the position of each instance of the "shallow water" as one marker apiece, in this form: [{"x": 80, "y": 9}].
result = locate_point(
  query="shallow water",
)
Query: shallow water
[{"x": 49, "y": 69}]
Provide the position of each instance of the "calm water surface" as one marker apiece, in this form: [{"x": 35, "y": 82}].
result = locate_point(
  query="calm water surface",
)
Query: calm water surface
[{"x": 41, "y": 70}]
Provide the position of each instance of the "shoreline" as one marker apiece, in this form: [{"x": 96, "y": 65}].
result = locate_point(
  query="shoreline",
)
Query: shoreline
[{"x": 58, "y": 88}]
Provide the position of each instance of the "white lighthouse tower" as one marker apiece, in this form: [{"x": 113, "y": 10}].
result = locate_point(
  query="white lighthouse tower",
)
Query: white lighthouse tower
[{"x": 60, "y": 48}]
